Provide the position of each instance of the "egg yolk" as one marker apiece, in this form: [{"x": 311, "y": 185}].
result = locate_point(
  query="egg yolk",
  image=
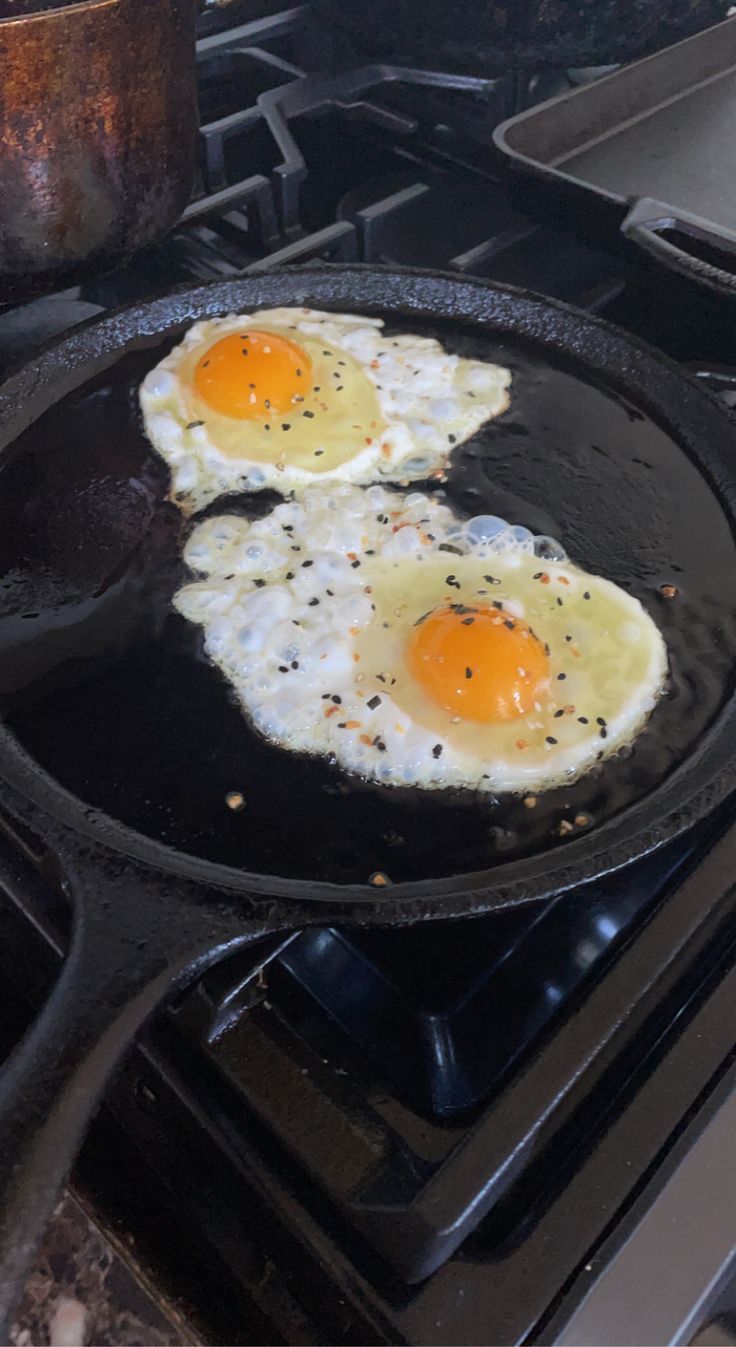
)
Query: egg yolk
[
  {"x": 252, "y": 375},
  {"x": 478, "y": 663}
]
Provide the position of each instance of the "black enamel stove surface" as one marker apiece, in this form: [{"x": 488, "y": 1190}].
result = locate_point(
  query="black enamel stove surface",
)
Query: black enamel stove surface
[{"x": 417, "y": 1136}]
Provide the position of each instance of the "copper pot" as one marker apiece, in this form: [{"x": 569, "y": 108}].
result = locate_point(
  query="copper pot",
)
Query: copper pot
[{"x": 98, "y": 114}]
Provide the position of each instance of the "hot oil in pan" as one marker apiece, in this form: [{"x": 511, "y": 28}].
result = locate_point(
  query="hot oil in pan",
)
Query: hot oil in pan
[{"x": 109, "y": 690}]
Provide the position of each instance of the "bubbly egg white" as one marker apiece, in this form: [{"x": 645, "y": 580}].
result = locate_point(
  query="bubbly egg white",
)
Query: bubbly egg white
[
  {"x": 413, "y": 401},
  {"x": 308, "y": 613}
]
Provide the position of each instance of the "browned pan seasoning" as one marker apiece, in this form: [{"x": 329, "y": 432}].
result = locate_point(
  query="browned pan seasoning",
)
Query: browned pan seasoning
[{"x": 99, "y": 118}]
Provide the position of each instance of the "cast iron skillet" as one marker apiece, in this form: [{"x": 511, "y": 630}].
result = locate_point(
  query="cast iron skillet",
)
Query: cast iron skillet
[{"x": 149, "y": 916}]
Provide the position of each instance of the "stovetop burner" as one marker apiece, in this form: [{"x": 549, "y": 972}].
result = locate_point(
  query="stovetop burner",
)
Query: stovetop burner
[{"x": 414, "y": 1136}]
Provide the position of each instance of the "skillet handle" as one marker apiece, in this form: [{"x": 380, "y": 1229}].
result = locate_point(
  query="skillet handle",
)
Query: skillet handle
[
  {"x": 132, "y": 944},
  {"x": 647, "y": 218}
]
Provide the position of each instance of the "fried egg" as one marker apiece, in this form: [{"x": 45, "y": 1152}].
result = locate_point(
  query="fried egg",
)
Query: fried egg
[
  {"x": 414, "y": 648},
  {"x": 285, "y": 397}
]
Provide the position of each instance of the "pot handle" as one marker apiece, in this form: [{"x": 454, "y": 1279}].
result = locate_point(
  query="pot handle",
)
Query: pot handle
[
  {"x": 643, "y": 226},
  {"x": 132, "y": 944}
]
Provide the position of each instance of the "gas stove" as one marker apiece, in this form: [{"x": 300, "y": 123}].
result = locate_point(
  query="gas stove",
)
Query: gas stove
[{"x": 501, "y": 1131}]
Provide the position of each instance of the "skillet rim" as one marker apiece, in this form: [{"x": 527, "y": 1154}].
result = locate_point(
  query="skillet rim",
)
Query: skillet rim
[{"x": 691, "y": 791}]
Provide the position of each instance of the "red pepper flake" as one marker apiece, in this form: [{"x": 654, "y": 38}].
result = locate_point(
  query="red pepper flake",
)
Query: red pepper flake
[
  {"x": 562, "y": 580},
  {"x": 366, "y": 739},
  {"x": 521, "y": 744},
  {"x": 235, "y": 801},
  {"x": 331, "y": 711},
  {"x": 669, "y": 591},
  {"x": 352, "y": 724},
  {"x": 379, "y": 880},
  {"x": 530, "y": 801},
  {"x": 368, "y": 439},
  {"x": 582, "y": 820}
]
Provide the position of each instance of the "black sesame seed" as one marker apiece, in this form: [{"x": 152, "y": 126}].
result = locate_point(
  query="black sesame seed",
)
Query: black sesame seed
[
  {"x": 288, "y": 528},
  {"x": 468, "y": 621},
  {"x": 603, "y": 734},
  {"x": 599, "y": 720},
  {"x": 510, "y": 626},
  {"x": 583, "y": 720},
  {"x": 468, "y": 672},
  {"x": 354, "y": 564},
  {"x": 561, "y": 677},
  {"x": 295, "y": 547},
  {"x": 586, "y": 595},
  {"x": 317, "y": 388},
  {"x": 342, "y": 363},
  {"x": 449, "y": 547},
  {"x": 436, "y": 751},
  {"x": 330, "y": 592},
  {"x": 259, "y": 583},
  {"x": 309, "y": 415},
  {"x": 341, "y": 724},
  {"x": 336, "y": 699},
  {"x": 266, "y": 427},
  {"x": 498, "y": 604},
  {"x": 339, "y": 388},
  {"x": 298, "y": 374},
  {"x": 491, "y": 580},
  {"x": 295, "y": 664},
  {"x": 289, "y": 575},
  {"x": 318, "y": 453},
  {"x": 306, "y": 563},
  {"x": 559, "y": 603},
  {"x": 452, "y": 439},
  {"x": 538, "y": 575},
  {"x": 283, "y": 668},
  {"x": 313, "y": 603},
  {"x": 550, "y": 739},
  {"x": 568, "y": 638},
  {"x": 558, "y": 714},
  {"x": 193, "y": 424},
  {"x": 373, "y": 703},
  {"x": 285, "y": 426}
]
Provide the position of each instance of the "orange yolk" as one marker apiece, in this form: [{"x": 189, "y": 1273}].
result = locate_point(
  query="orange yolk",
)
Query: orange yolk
[
  {"x": 252, "y": 375},
  {"x": 489, "y": 669}
]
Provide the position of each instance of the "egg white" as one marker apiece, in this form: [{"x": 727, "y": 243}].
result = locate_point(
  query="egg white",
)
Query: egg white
[
  {"x": 308, "y": 611},
  {"x": 425, "y": 401}
]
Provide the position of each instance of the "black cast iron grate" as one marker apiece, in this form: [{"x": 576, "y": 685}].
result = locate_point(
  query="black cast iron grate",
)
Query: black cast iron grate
[{"x": 460, "y": 1071}]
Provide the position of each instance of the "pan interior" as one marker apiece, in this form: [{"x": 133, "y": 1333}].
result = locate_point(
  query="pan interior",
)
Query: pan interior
[{"x": 108, "y": 689}]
